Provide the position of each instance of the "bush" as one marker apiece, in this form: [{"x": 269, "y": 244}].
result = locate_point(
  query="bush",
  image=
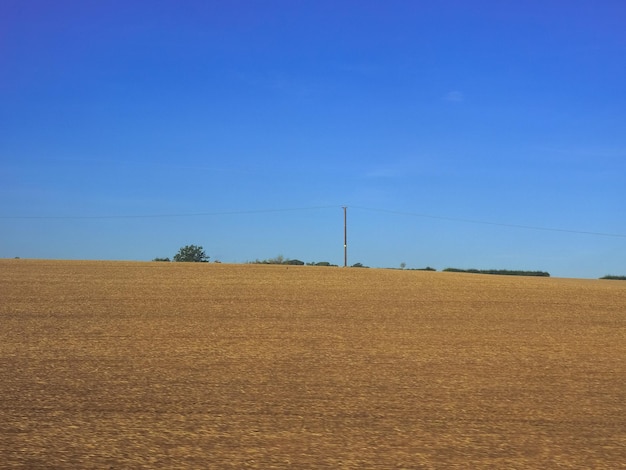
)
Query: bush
[
  {"x": 358, "y": 265},
  {"x": 501, "y": 272},
  {"x": 280, "y": 259},
  {"x": 614, "y": 278},
  {"x": 294, "y": 262}
]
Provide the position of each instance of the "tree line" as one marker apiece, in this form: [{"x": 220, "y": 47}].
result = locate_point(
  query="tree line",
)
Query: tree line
[
  {"x": 501, "y": 272},
  {"x": 196, "y": 254}
]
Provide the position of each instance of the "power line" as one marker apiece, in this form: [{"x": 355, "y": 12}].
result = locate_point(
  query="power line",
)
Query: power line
[
  {"x": 163, "y": 216},
  {"x": 311, "y": 208},
  {"x": 498, "y": 224}
]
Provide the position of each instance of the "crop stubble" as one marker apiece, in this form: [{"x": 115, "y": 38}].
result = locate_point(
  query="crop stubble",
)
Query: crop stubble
[{"x": 185, "y": 365}]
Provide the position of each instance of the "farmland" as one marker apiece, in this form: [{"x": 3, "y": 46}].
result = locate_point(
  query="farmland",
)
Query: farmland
[{"x": 194, "y": 365}]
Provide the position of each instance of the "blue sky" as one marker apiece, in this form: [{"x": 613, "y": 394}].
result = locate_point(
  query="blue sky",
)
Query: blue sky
[{"x": 458, "y": 134}]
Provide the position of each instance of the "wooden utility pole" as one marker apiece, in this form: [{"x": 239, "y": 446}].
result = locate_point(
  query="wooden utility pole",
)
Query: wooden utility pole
[{"x": 345, "y": 237}]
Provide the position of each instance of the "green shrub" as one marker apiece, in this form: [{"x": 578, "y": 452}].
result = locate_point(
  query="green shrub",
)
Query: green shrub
[
  {"x": 500, "y": 272},
  {"x": 358, "y": 265}
]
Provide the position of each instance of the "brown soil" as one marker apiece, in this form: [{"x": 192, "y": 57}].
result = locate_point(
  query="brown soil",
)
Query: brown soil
[{"x": 185, "y": 365}]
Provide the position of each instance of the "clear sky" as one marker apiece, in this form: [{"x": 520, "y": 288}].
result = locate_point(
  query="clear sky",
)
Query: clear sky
[{"x": 485, "y": 134}]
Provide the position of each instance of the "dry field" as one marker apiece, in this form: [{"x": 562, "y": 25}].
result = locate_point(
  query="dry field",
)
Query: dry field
[{"x": 176, "y": 365}]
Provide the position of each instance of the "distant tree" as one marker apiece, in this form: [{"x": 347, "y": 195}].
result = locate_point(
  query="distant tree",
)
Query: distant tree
[
  {"x": 161, "y": 259},
  {"x": 280, "y": 259},
  {"x": 402, "y": 265},
  {"x": 501, "y": 272},
  {"x": 358, "y": 265},
  {"x": 191, "y": 253}
]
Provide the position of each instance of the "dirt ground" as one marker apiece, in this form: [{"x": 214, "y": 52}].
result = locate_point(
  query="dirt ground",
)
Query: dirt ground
[{"x": 194, "y": 365}]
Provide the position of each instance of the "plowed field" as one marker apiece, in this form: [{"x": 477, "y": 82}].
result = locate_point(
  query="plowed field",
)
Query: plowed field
[{"x": 185, "y": 365}]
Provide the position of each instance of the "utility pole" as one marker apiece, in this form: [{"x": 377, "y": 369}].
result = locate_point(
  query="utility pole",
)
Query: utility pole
[{"x": 345, "y": 237}]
